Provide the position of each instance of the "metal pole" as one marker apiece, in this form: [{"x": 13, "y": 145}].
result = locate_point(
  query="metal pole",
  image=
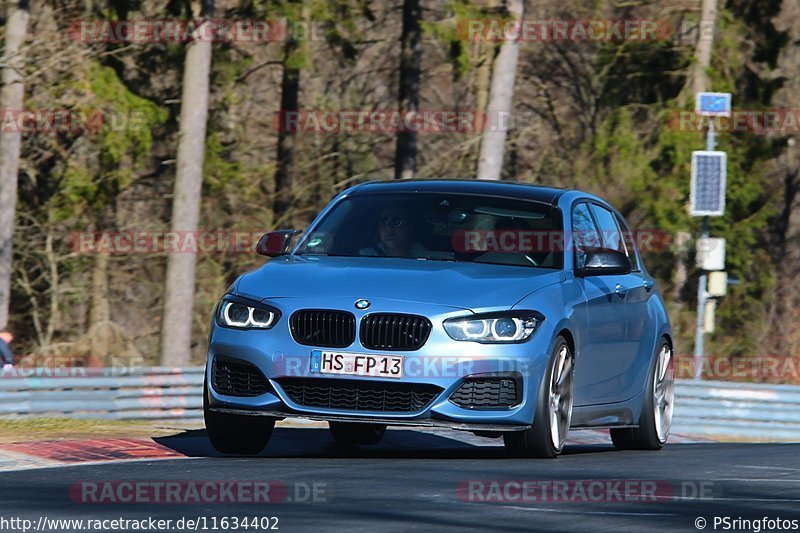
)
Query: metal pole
[
  {"x": 699, "y": 349},
  {"x": 711, "y": 136},
  {"x": 702, "y": 283}
]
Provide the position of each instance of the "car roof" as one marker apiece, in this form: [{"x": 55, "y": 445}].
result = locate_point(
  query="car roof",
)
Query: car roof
[{"x": 508, "y": 189}]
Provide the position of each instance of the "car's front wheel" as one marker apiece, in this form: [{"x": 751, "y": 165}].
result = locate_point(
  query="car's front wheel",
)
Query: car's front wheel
[
  {"x": 236, "y": 434},
  {"x": 656, "y": 417},
  {"x": 356, "y": 433},
  {"x": 547, "y": 436}
]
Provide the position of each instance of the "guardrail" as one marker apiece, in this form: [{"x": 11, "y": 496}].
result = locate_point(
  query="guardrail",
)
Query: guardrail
[
  {"x": 704, "y": 408},
  {"x": 739, "y": 410},
  {"x": 148, "y": 393}
]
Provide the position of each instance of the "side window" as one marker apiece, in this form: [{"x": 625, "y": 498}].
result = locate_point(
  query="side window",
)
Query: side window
[
  {"x": 584, "y": 233},
  {"x": 612, "y": 237}
]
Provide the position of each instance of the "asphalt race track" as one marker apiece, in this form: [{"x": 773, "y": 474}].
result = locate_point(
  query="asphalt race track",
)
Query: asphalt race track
[{"x": 417, "y": 480}]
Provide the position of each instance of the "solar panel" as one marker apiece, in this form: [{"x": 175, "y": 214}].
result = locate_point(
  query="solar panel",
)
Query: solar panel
[
  {"x": 707, "y": 198},
  {"x": 713, "y": 104}
]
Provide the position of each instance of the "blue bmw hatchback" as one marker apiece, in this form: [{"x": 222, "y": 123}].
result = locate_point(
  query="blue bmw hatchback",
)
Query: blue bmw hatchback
[{"x": 508, "y": 310}]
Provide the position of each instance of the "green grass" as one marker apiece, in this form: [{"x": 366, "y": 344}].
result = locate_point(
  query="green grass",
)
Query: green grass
[{"x": 23, "y": 429}]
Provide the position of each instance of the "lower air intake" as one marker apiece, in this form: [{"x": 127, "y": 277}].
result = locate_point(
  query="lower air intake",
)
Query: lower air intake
[
  {"x": 234, "y": 377},
  {"x": 487, "y": 393},
  {"x": 355, "y": 395}
]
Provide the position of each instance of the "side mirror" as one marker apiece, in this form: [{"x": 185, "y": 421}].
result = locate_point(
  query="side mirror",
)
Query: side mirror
[
  {"x": 276, "y": 243},
  {"x": 603, "y": 261}
]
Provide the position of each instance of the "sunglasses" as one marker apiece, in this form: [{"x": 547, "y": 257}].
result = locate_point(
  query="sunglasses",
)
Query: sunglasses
[{"x": 393, "y": 222}]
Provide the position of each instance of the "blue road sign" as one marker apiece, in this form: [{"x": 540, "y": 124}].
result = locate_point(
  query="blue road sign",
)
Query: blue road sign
[{"x": 713, "y": 104}]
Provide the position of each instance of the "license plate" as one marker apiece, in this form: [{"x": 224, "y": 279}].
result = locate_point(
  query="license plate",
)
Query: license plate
[{"x": 356, "y": 364}]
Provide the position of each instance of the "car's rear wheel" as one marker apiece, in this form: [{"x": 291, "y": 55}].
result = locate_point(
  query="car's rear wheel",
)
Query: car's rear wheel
[
  {"x": 356, "y": 433},
  {"x": 236, "y": 434},
  {"x": 656, "y": 417},
  {"x": 547, "y": 436}
]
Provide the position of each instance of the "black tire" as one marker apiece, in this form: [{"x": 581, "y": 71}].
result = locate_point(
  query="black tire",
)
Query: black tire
[
  {"x": 236, "y": 434},
  {"x": 537, "y": 441},
  {"x": 645, "y": 437},
  {"x": 356, "y": 433}
]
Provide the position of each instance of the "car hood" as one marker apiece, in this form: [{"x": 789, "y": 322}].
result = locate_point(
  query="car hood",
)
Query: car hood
[{"x": 463, "y": 285}]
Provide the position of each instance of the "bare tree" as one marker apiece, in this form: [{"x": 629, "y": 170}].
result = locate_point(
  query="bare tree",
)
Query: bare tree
[
  {"x": 504, "y": 74},
  {"x": 284, "y": 170},
  {"x": 405, "y": 161},
  {"x": 705, "y": 39},
  {"x": 10, "y": 101},
  {"x": 176, "y": 329}
]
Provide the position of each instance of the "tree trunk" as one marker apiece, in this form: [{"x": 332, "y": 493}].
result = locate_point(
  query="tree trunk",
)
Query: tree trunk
[
  {"x": 176, "y": 332},
  {"x": 482, "y": 81},
  {"x": 405, "y": 159},
  {"x": 11, "y": 97},
  {"x": 504, "y": 74},
  {"x": 100, "y": 310},
  {"x": 483, "y": 77},
  {"x": 705, "y": 41},
  {"x": 284, "y": 172},
  {"x": 698, "y": 81}
]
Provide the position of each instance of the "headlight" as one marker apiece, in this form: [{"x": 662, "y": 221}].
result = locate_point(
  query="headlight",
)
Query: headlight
[
  {"x": 517, "y": 326},
  {"x": 238, "y": 312}
]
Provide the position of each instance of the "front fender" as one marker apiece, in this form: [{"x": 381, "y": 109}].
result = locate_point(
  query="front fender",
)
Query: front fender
[{"x": 560, "y": 303}]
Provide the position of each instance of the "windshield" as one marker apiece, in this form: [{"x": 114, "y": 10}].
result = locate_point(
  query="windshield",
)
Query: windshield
[{"x": 443, "y": 227}]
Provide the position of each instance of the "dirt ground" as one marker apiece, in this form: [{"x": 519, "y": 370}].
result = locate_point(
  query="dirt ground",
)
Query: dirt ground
[{"x": 35, "y": 429}]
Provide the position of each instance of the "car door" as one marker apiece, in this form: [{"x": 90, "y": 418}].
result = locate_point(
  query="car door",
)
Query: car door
[
  {"x": 602, "y": 355},
  {"x": 620, "y": 364},
  {"x": 641, "y": 287}
]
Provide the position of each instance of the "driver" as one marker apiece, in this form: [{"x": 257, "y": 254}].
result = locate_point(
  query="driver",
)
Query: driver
[{"x": 395, "y": 230}]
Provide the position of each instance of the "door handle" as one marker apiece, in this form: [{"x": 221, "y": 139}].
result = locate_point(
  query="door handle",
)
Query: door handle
[
  {"x": 620, "y": 291},
  {"x": 648, "y": 285}
]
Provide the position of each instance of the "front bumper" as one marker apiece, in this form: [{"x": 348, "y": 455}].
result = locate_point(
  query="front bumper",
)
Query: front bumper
[
  {"x": 422, "y": 422},
  {"x": 441, "y": 362}
]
